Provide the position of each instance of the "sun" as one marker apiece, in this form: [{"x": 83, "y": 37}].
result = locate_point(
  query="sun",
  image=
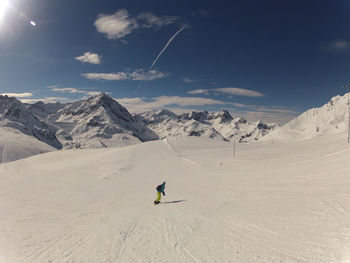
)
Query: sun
[{"x": 3, "y": 6}]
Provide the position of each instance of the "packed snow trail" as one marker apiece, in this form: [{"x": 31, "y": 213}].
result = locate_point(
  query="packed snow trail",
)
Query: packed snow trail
[{"x": 285, "y": 202}]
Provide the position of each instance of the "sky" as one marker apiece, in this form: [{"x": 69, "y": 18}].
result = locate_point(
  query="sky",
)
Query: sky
[{"x": 268, "y": 60}]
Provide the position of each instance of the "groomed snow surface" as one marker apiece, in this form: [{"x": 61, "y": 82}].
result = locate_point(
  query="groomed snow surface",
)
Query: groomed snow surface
[{"x": 272, "y": 202}]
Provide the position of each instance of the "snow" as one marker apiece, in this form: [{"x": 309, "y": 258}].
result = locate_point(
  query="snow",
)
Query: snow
[
  {"x": 216, "y": 125},
  {"x": 98, "y": 122},
  {"x": 331, "y": 118},
  {"x": 15, "y": 145},
  {"x": 274, "y": 202}
]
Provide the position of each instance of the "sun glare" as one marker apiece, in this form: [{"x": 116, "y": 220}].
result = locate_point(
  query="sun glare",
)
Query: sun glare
[{"x": 3, "y": 6}]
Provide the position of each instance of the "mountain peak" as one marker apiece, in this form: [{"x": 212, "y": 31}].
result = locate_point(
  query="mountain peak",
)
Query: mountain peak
[{"x": 102, "y": 99}]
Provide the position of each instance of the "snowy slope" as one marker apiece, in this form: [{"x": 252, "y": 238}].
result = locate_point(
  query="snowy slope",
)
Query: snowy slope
[
  {"x": 166, "y": 123},
  {"x": 22, "y": 133},
  {"x": 331, "y": 118},
  {"x": 15, "y": 145},
  {"x": 281, "y": 202},
  {"x": 99, "y": 121},
  {"x": 218, "y": 125},
  {"x": 43, "y": 110}
]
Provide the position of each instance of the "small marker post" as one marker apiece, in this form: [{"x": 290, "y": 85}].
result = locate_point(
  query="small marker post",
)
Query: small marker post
[{"x": 234, "y": 145}]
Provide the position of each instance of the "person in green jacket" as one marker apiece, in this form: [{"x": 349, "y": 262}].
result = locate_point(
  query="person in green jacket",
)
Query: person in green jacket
[{"x": 160, "y": 190}]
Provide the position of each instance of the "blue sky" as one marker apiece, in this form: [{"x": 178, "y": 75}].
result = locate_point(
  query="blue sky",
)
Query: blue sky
[{"x": 266, "y": 59}]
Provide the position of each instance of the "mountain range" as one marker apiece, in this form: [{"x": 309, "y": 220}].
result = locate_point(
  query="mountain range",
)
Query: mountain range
[{"x": 100, "y": 121}]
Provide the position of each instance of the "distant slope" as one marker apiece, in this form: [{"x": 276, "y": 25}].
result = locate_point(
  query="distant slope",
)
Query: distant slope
[
  {"x": 217, "y": 125},
  {"x": 15, "y": 145},
  {"x": 331, "y": 118},
  {"x": 22, "y": 133}
]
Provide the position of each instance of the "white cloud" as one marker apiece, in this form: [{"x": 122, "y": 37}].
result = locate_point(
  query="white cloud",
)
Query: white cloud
[
  {"x": 121, "y": 24},
  {"x": 89, "y": 57},
  {"x": 106, "y": 76},
  {"x": 148, "y": 75},
  {"x": 338, "y": 46},
  {"x": 239, "y": 92},
  {"x": 198, "y": 91},
  {"x": 116, "y": 26},
  {"x": 139, "y": 104},
  {"x": 230, "y": 91},
  {"x": 48, "y": 100},
  {"x": 66, "y": 90},
  {"x": 274, "y": 109},
  {"x": 149, "y": 20},
  {"x": 131, "y": 101},
  {"x": 57, "y": 88},
  {"x": 94, "y": 93},
  {"x": 187, "y": 101},
  {"x": 18, "y": 95},
  {"x": 139, "y": 74},
  {"x": 189, "y": 80}
]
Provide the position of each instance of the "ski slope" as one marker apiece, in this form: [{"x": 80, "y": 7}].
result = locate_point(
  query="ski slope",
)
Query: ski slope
[
  {"x": 280, "y": 202},
  {"x": 15, "y": 145}
]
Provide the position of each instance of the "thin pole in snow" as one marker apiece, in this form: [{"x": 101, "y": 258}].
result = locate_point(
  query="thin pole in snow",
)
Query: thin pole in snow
[
  {"x": 347, "y": 88},
  {"x": 234, "y": 145}
]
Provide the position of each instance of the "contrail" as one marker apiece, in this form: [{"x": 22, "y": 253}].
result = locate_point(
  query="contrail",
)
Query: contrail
[
  {"x": 166, "y": 46},
  {"x": 161, "y": 52}
]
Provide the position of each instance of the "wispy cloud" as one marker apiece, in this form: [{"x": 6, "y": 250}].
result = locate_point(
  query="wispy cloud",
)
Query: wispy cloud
[
  {"x": 200, "y": 12},
  {"x": 48, "y": 100},
  {"x": 239, "y": 92},
  {"x": 18, "y": 95},
  {"x": 230, "y": 91},
  {"x": 141, "y": 104},
  {"x": 89, "y": 57},
  {"x": 58, "y": 88},
  {"x": 149, "y": 20},
  {"x": 337, "y": 46},
  {"x": 139, "y": 74},
  {"x": 106, "y": 76},
  {"x": 189, "y": 80},
  {"x": 121, "y": 24},
  {"x": 199, "y": 91},
  {"x": 67, "y": 90}
]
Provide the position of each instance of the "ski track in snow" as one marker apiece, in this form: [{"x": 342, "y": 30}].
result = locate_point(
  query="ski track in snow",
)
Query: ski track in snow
[{"x": 265, "y": 205}]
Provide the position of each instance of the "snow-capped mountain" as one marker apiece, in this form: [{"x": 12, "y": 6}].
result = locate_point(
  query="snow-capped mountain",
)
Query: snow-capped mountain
[
  {"x": 331, "y": 118},
  {"x": 99, "y": 121},
  {"x": 22, "y": 134},
  {"x": 218, "y": 125},
  {"x": 14, "y": 114},
  {"x": 166, "y": 123},
  {"x": 43, "y": 110}
]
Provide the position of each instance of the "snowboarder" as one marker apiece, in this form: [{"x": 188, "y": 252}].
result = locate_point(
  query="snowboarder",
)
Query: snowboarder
[{"x": 160, "y": 190}]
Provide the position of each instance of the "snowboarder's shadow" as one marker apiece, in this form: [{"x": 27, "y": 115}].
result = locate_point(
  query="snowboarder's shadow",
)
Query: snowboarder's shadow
[{"x": 174, "y": 202}]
